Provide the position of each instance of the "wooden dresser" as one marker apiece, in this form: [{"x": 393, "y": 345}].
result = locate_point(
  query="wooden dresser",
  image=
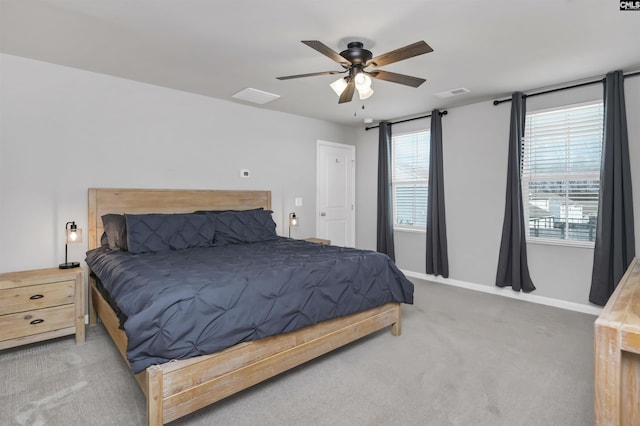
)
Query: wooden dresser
[
  {"x": 617, "y": 354},
  {"x": 41, "y": 304}
]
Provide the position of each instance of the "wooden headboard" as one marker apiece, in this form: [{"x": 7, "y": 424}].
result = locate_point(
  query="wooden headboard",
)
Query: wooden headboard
[{"x": 120, "y": 201}]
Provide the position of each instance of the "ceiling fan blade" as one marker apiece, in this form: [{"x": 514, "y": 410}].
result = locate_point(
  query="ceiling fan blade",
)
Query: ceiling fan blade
[
  {"x": 326, "y": 50},
  {"x": 347, "y": 93},
  {"x": 393, "y": 77},
  {"x": 415, "y": 49},
  {"x": 313, "y": 74}
]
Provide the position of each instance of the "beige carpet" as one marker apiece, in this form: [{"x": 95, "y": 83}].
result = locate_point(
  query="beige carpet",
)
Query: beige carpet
[{"x": 464, "y": 358}]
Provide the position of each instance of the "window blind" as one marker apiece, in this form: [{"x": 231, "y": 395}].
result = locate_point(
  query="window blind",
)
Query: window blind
[
  {"x": 560, "y": 167},
  {"x": 410, "y": 173}
]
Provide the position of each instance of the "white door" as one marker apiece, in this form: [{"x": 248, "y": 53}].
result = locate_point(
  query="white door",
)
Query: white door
[{"x": 336, "y": 175}]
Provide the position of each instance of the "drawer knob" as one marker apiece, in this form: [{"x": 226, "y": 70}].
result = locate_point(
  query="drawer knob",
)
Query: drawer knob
[
  {"x": 36, "y": 321},
  {"x": 36, "y": 296}
]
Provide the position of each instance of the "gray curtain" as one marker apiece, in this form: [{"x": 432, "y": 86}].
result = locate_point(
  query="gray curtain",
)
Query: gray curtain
[
  {"x": 513, "y": 269},
  {"x": 437, "y": 258},
  {"x": 615, "y": 242},
  {"x": 385, "y": 200}
]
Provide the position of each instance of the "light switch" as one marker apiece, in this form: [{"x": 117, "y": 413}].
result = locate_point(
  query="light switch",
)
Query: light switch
[{"x": 298, "y": 202}]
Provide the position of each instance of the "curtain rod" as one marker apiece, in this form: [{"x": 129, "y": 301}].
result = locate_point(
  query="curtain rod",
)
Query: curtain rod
[
  {"x": 588, "y": 83},
  {"x": 408, "y": 119}
]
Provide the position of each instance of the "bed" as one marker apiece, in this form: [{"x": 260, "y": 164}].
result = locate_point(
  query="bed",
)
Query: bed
[{"x": 180, "y": 386}]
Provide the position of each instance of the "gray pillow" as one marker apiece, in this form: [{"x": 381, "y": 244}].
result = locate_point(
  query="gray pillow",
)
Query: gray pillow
[
  {"x": 248, "y": 226},
  {"x": 116, "y": 229},
  {"x": 156, "y": 232}
]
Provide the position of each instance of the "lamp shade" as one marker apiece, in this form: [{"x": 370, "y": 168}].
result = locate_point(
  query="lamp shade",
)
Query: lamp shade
[
  {"x": 339, "y": 85},
  {"x": 74, "y": 236},
  {"x": 363, "y": 81},
  {"x": 363, "y": 84},
  {"x": 365, "y": 93}
]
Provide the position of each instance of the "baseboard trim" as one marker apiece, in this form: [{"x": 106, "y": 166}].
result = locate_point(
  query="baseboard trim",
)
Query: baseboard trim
[{"x": 507, "y": 292}]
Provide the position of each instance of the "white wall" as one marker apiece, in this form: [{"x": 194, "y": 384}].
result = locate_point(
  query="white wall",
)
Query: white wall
[
  {"x": 63, "y": 130},
  {"x": 475, "y": 145}
]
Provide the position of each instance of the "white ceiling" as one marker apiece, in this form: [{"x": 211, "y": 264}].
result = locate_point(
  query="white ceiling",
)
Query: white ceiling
[{"x": 219, "y": 47}]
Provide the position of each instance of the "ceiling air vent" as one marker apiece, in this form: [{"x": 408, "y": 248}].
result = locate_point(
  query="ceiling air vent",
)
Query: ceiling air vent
[
  {"x": 453, "y": 92},
  {"x": 255, "y": 96}
]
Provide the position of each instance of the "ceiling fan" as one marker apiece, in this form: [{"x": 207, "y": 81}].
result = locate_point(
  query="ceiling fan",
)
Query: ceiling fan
[{"x": 355, "y": 59}]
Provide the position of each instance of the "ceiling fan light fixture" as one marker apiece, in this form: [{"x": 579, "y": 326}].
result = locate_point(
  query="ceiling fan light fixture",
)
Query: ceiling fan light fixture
[
  {"x": 339, "y": 85},
  {"x": 365, "y": 93},
  {"x": 363, "y": 81},
  {"x": 363, "y": 84}
]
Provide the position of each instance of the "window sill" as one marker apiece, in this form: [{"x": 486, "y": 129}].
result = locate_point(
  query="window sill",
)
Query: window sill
[
  {"x": 564, "y": 243},
  {"x": 410, "y": 230}
]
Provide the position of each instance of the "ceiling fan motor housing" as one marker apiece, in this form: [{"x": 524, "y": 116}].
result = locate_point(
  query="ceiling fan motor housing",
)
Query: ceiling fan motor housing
[{"x": 356, "y": 54}]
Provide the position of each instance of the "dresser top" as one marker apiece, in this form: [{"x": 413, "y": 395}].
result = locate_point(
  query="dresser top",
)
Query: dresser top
[
  {"x": 37, "y": 276},
  {"x": 623, "y": 308}
]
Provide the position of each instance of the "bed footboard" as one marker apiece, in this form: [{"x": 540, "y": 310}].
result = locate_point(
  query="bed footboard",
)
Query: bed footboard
[{"x": 175, "y": 389}]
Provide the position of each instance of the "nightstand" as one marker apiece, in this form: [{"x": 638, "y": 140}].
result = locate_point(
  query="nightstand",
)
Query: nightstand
[
  {"x": 41, "y": 304},
  {"x": 319, "y": 241}
]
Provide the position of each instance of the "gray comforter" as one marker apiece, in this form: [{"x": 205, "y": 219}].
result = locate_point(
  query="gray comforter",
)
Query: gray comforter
[{"x": 183, "y": 303}]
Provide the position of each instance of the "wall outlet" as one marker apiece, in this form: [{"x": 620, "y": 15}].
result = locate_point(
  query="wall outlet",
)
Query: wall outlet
[{"x": 244, "y": 173}]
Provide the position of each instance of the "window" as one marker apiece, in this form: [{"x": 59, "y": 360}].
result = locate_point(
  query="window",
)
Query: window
[
  {"x": 409, "y": 179},
  {"x": 561, "y": 157}
]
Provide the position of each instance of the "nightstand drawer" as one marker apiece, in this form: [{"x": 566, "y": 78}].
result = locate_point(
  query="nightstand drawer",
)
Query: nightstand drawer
[
  {"x": 38, "y": 321},
  {"x": 32, "y": 297}
]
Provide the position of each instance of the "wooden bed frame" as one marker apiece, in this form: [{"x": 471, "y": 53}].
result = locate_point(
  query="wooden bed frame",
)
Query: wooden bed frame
[{"x": 177, "y": 388}]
